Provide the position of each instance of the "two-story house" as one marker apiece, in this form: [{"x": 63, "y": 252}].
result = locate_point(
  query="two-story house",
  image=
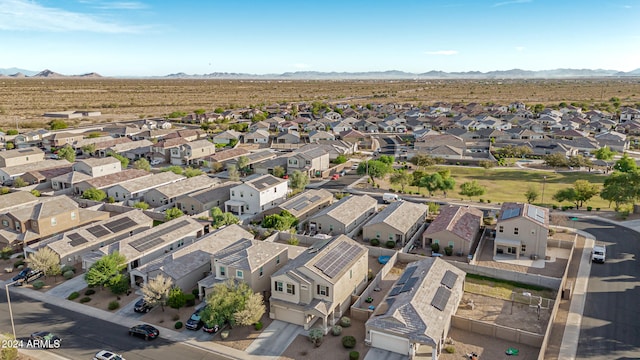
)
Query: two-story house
[
  {"x": 258, "y": 193},
  {"x": 204, "y": 200},
  {"x": 456, "y": 227},
  {"x": 136, "y": 188},
  {"x": 18, "y": 157},
  {"x": 522, "y": 230},
  {"x": 167, "y": 195},
  {"x": 192, "y": 152},
  {"x": 95, "y": 167},
  {"x": 311, "y": 161},
  {"x": 343, "y": 216},
  {"x": 397, "y": 222},
  {"x": 319, "y": 283}
]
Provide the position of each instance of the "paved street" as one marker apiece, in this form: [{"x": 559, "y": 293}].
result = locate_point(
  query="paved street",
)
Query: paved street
[{"x": 611, "y": 321}]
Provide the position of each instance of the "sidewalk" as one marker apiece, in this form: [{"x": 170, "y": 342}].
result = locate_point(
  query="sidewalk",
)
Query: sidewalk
[{"x": 275, "y": 339}]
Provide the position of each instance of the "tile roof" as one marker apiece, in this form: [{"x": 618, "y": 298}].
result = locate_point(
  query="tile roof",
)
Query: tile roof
[
  {"x": 463, "y": 221},
  {"x": 400, "y": 215},
  {"x": 113, "y": 179},
  {"x": 248, "y": 254},
  {"x": 348, "y": 209}
]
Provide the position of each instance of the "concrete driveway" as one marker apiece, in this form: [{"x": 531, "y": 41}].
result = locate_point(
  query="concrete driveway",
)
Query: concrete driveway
[
  {"x": 63, "y": 290},
  {"x": 275, "y": 339},
  {"x": 379, "y": 354}
]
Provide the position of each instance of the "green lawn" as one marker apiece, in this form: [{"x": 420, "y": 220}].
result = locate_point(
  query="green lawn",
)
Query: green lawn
[{"x": 504, "y": 185}]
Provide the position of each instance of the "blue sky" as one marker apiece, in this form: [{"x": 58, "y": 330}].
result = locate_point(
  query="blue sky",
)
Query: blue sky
[{"x": 142, "y": 38}]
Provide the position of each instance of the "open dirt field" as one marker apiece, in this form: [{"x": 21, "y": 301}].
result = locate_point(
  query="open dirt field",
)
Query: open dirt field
[{"x": 26, "y": 99}]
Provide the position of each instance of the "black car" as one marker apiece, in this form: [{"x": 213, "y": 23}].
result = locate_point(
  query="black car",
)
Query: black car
[
  {"x": 147, "y": 332},
  {"x": 195, "y": 321},
  {"x": 45, "y": 339},
  {"x": 142, "y": 306},
  {"x": 22, "y": 274},
  {"x": 211, "y": 329}
]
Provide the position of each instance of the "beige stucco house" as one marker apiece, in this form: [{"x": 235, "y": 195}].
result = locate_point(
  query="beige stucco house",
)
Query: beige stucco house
[
  {"x": 204, "y": 200},
  {"x": 343, "y": 216},
  {"x": 96, "y": 167},
  {"x": 311, "y": 161},
  {"x": 168, "y": 194},
  {"x": 20, "y": 156},
  {"x": 397, "y": 222},
  {"x": 522, "y": 230},
  {"x": 456, "y": 227}
]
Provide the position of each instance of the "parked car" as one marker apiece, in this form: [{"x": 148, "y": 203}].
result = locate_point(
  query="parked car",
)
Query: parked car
[
  {"x": 22, "y": 274},
  {"x": 195, "y": 321},
  {"x": 354, "y": 167},
  {"x": 46, "y": 339},
  {"x": 155, "y": 162},
  {"x": 107, "y": 355},
  {"x": 211, "y": 329},
  {"x": 335, "y": 177},
  {"x": 144, "y": 331},
  {"x": 30, "y": 276},
  {"x": 142, "y": 306},
  {"x": 343, "y": 172}
]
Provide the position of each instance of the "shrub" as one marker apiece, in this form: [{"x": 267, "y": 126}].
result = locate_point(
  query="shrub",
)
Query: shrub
[
  {"x": 67, "y": 275},
  {"x": 38, "y": 284},
  {"x": 390, "y": 244},
  {"x": 597, "y": 209},
  {"x": 113, "y": 305},
  {"x": 448, "y": 250},
  {"x": 489, "y": 201},
  {"x": 89, "y": 292},
  {"x": 178, "y": 325},
  {"x": 589, "y": 208},
  {"x": 435, "y": 247},
  {"x": 67, "y": 268},
  {"x": 349, "y": 342},
  {"x": 195, "y": 292},
  {"x": 345, "y": 321},
  {"x": 74, "y": 295},
  {"x": 336, "y": 330},
  {"x": 554, "y": 206},
  {"x": 293, "y": 241},
  {"x": 315, "y": 336},
  {"x": 450, "y": 349},
  {"x": 6, "y": 252},
  {"x": 190, "y": 299},
  {"x": 258, "y": 326},
  {"x": 375, "y": 242},
  {"x": 354, "y": 355},
  {"x": 85, "y": 299},
  {"x": 18, "y": 263},
  {"x": 177, "y": 298},
  {"x": 552, "y": 232}
]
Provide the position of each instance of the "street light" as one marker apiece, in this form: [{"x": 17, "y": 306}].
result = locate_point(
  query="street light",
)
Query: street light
[
  {"x": 13, "y": 328},
  {"x": 544, "y": 180}
]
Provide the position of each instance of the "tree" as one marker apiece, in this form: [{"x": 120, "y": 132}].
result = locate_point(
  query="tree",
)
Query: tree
[
  {"x": 341, "y": 159},
  {"x": 156, "y": 291},
  {"x": 89, "y": 149},
  {"x": 424, "y": 160},
  {"x": 282, "y": 221},
  {"x": 581, "y": 192},
  {"x": 222, "y": 218},
  {"x": 35, "y": 193},
  {"x": 625, "y": 164},
  {"x": 621, "y": 188},
  {"x": 57, "y": 124},
  {"x": 105, "y": 271},
  {"x": 578, "y": 161},
  {"x": 19, "y": 182},
  {"x": 376, "y": 169},
  {"x": 176, "y": 298},
  {"x": 253, "y": 310},
  {"x": 234, "y": 175},
  {"x": 174, "y": 169},
  {"x": 141, "y": 205},
  {"x": 556, "y": 160},
  {"x": 278, "y": 171},
  {"x": 298, "y": 180},
  {"x": 432, "y": 182},
  {"x": 142, "y": 164},
  {"x": 387, "y": 159},
  {"x": 191, "y": 172},
  {"x": 12, "y": 132},
  {"x": 172, "y": 213},
  {"x": 45, "y": 260},
  {"x": 94, "y": 194},
  {"x": 228, "y": 299},
  {"x": 242, "y": 164},
  {"x": 123, "y": 160},
  {"x": 604, "y": 153},
  {"x": 9, "y": 145},
  {"x": 67, "y": 153},
  {"x": 402, "y": 178},
  {"x": 471, "y": 189},
  {"x": 531, "y": 194}
]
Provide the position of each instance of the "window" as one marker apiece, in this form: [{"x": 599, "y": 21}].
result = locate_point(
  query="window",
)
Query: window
[
  {"x": 515, "y": 231},
  {"x": 323, "y": 290},
  {"x": 277, "y": 259},
  {"x": 523, "y": 248},
  {"x": 73, "y": 215},
  {"x": 241, "y": 193},
  {"x": 511, "y": 250},
  {"x": 331, "y": 227},
  {"x": 391, "y": 237},
  {"x": 117, "y": 194},
  {"x": 54, "y": 222},
  {"x": 501, "y": 229},
  {"x": 451, "y": 244},
  {"x": 233, "y": 193},
  {"x": 378, "y": 234},
  {"x": 239, "y": 274},
  {"x": 351, "y": 274},
  {"x": 5, "y": 223},
  {"x": 278, "y": 286},
  {"x": 223, "y": 271},
  {"x": 17, "y": 226},
  {"x": 261, "y": 271},
  {"x": 291, "y": 289},
  {"x": 436, "y": 241},
  {"x": 275, "y": 190}
]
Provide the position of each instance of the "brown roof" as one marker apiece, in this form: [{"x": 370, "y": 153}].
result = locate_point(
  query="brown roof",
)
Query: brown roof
[
  {"x": 116, "y": 178},
  {"x": 227, "y": 154},
  {"x": 463, "y": 221}
]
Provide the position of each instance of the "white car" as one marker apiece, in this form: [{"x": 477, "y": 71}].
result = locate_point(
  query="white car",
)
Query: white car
[
  {"x": 107, "y": 355},
  {"x": 155, "y": 162}
]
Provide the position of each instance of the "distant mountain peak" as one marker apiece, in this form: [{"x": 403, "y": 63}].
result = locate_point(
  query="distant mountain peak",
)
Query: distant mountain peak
[{"x": 46, "y": 73}]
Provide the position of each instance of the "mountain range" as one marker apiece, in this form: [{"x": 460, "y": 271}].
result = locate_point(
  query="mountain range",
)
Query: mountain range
[{"x": 369, "y": 75}]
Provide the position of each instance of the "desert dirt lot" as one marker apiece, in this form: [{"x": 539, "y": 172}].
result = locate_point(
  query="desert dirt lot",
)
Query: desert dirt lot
[{"x": 25, "y": 100}]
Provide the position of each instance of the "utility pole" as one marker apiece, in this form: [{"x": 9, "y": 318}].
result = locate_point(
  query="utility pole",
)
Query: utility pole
[
  {"x": 13, "y": 328},
  {"x": 544, "y": 180}
]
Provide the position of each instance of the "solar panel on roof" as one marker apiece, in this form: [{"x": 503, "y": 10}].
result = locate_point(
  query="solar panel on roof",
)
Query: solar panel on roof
[
  {"x": 98, "y": 231},
  {"x": 389, "y": 302},
  {"x": 441, "y": 298},
  {"x": 406, "y": 275},
  {"x": 337, "y": 259},
  {"x": 120, "y": 224},
  {"x": 409, "y": 285},
  {"x": 146, "y": 244},
  {"x": 449, "y": 279},
  {"x": 76, "y": 239},
  {"x": 315, "y": 198},
  {"x": 509, "y": 213},
  {"x": 395, "y": 291}
]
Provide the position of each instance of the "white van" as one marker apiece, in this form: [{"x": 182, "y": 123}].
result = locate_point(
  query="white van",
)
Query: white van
[
  {"x": 599, "y": 253},
  {"x": 388, "y": 197}
]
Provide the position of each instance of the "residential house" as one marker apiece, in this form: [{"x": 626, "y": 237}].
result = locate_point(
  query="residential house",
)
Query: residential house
[
  {"x": 317, "y": 135},
  {"x": 66, "y": 180},
  {"x": 257, "y": 137},
  {"x": 415, "y": 316},
  {"x": 192, "y": 153},
  {"x": 107, "y": 181},
  {"x": 96, "y": 167},
  {"x": 101, "y": 149},
  {"x": 17, "y": 157},
  {"x": 341, "y": 126},
  {"x": 204, "y": 200},
  {"x": 288, "y": 137},
  {"x": 441, "y": 145},
  {"x": 167, "y": 195},
  {"x": 397, "y": 222},
  {"x": 344, "y": 216},
  {"x": 522, "y": 230},
  {"x": 226, "y": 137},
  {"x": 135, "y": 189},
  {"x": 457, "y": 227},
  {"x": 319, "y": 283},
  {"x": 16, "y": 199},
  {"x": 260, "y": 125},
  {"x": 256, "y": 194},
  {"x": 8, "y": 174},
  {"x": 614, "y": 140},
  {"x": 335, "y": 148},
  {"x": 60, "y": 139},
  {"x": 162, "y": 149},
  {"x": 311, "y": 161},
  {"x": 133, "y": 150},
  {"x": 304, "y": 205}
]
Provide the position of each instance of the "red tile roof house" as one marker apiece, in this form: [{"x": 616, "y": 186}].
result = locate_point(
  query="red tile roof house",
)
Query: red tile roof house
[{"x": 457, "y": 227}]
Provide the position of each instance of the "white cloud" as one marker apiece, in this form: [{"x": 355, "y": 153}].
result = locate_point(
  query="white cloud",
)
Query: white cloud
[
  {"x": 301, "y": 66},
  {"x": 29, "y": 15},
  {"x": 520, "y": 48},
  {"x": 121, "y": 5},
  {"x": 442, "y": 52},
  {"x": 511, "y": 2}
]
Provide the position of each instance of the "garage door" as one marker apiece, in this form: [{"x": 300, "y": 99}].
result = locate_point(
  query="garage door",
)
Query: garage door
[
  {"x": 390, "y": 343},
  {"x": 290, "y": 316}
]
